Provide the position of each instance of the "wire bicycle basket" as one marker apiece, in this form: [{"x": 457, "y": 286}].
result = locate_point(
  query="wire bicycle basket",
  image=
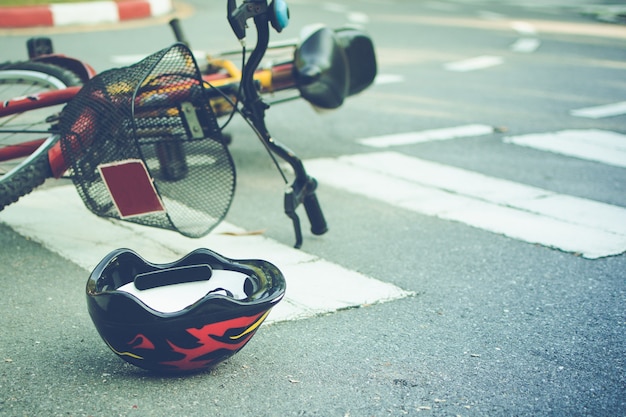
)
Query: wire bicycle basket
[{"x": 143, "y": 145}]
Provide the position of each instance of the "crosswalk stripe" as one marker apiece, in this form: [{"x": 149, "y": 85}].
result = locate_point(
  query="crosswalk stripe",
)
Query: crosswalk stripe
[
  {"x": 388, "y": 79},
  {"x": 598, "y": 112},
  {"x": 590, "y": 144},
  {"x": 531, "y": 214},
  {"x": 524, "y": 28},
  {"x": 358, "y": 18},
  {"x": 473, "y": 64},
  {"x": 57, "y": 218},
  {"x": 526, "y": 45},
  {"x": 427, "y": 136}
]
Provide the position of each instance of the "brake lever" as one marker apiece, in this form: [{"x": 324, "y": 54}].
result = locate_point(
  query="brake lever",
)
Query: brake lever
[
  {"x": 238, "y": 16},
  {"x": 303, "y": 192},
  {"x": 291, "y": 203}
]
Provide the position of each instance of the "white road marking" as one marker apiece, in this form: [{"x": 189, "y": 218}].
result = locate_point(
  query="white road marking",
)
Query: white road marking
[
  {"x": 473, "y": 64},
  {"x": 524, "y": 28},
  {"x": 56, "y": 218},
  {"x": 388, "y": 79},
  {"x": 591, "y": 144},
  {"x": 598, "y": 112},
  {"x": 358, "y": 17},
  {"x": 427, "y": 136},
  {"x": 528, "y": 42},
  {"x": 530, "y": 214},
  {"x": 525, "y": 45},
  {"x": 127, "y": 59}
]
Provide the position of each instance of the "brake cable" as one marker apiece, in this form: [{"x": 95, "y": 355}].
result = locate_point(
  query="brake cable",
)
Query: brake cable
[{"x": 236, "y": 109}]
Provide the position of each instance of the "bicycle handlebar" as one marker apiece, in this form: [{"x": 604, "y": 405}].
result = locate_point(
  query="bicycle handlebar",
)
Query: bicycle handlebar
[
  {"x": 178, "y": 31},
  {"x": 302, "y": 190},
  {"x": 304, "y": 193}
]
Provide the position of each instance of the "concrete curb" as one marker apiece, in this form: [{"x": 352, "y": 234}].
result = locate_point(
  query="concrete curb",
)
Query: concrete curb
[{"x": 65, "y": 14}]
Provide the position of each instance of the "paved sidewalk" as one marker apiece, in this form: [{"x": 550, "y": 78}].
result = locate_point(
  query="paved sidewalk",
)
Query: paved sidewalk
[{"x": 64, "y": 14}]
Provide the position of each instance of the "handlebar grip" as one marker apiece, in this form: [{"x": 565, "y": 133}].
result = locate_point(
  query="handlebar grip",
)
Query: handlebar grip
[
  {"x": 314, "y": 213},
  {"x": 178, "y": 31}
]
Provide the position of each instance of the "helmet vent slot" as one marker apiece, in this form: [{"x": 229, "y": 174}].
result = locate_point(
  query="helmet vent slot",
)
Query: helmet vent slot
[{"x": 171, "y": 276}]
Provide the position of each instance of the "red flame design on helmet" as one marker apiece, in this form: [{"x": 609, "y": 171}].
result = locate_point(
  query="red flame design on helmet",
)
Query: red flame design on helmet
[
  {"x": 213, "y": 337},
  {"x": 141, "y": 342}
]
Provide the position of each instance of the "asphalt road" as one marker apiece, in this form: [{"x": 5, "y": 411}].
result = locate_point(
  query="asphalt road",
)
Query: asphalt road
[{"x": 498, "y": 324}]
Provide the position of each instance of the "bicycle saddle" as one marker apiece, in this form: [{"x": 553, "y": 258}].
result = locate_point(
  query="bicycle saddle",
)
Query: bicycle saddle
[{"x": 331, "y": 65}]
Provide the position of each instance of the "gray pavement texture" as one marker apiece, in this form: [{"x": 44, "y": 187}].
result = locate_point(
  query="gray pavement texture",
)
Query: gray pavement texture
[{"x": 503, "y": 345}]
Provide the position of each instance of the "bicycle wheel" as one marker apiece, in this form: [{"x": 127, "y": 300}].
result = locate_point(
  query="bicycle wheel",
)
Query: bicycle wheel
[{"x": 19, "y": 175}]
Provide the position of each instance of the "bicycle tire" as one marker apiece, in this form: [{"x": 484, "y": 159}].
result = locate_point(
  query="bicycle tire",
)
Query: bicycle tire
[{"x": 19, "y": 177}]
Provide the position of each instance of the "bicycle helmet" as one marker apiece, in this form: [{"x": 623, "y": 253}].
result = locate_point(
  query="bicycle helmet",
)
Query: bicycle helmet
[{"x": 183, "y": 316}]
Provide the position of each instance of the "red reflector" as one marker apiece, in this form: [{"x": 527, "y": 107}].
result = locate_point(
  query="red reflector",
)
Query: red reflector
[{"x": 131, "y": 188}]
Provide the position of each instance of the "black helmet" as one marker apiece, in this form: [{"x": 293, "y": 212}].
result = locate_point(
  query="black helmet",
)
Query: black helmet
[{"x": 229, "y": 301}]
